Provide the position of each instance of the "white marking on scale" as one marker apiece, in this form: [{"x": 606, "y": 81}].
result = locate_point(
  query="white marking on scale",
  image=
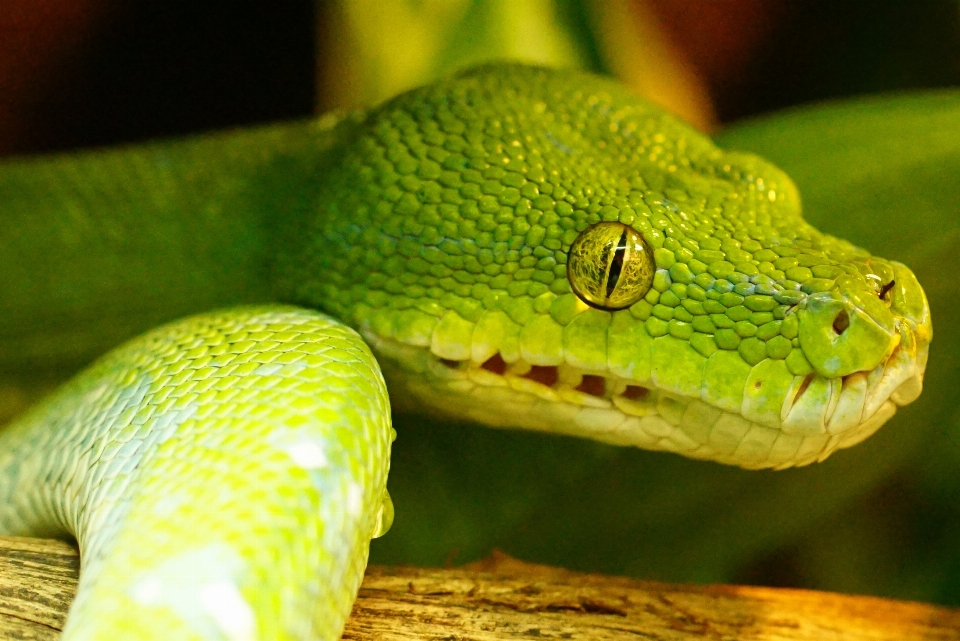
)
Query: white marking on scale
[
  {"x": 309, "y": 455},
  {"x": 224, "y": 602},
  {"x": 354, "y": 499}
]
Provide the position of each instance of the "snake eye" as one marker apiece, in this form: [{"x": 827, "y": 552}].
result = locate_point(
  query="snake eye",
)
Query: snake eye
[{"x": 610, "y": 266}]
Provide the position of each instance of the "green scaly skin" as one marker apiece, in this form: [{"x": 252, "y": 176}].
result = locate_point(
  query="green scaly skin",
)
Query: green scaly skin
[{"x": 224, "y": 474}]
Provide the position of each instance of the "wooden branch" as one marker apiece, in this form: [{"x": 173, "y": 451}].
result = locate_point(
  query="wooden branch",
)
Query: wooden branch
[
  {"x": 502, "y": 598},
  {"x": 38, "y": 578}
]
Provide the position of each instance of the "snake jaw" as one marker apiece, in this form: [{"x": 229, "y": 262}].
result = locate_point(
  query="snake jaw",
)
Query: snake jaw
[
  {"x": 898, "y": 379},
  {"x": 601, "y": 375},
  {"x": 552, "y": 399},
  {"x": 817, "y": 414}
]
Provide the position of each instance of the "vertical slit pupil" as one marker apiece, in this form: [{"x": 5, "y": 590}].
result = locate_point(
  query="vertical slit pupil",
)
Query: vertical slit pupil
[{"x": 616, "y": 265}]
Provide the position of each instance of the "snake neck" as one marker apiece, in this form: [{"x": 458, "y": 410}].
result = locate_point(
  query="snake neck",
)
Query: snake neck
[{"x": 98, "y": 247}]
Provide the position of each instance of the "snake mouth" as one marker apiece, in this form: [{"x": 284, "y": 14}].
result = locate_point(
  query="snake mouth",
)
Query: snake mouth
[
  {"x": 817, "y": 416},
  {"x": 597, "y": 402},
  {"x": 563, "y": 383}
]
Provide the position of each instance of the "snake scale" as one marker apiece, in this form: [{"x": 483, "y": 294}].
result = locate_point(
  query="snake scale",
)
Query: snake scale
[{"x": 513, "y": 246}]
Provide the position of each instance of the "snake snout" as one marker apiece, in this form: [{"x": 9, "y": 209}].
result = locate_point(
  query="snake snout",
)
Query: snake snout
[
  {"x": 909, "y": 303},
  {"x": 873, "y": 329},
  {"x": 839, "y": 336},
  {"x": 861, "y": 323},
  {"x": 912, "y": 316}
]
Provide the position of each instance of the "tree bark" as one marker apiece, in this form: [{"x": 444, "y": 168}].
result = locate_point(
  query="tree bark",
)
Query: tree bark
[{"x": 502, "y": 598}]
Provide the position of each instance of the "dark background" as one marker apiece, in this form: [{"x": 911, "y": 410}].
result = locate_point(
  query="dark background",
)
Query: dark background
[{"x": 95, "y": 72}]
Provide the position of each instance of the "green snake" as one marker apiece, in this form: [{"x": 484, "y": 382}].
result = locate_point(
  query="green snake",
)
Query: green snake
[{"x": 514, "y": 246}]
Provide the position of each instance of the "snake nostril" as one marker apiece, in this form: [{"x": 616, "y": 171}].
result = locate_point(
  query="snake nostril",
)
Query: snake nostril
[{"x": 841, "y": 322}]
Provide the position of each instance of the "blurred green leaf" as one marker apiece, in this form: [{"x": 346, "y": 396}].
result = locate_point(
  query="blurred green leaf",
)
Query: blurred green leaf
[
  {"x": 371, "y": 51},
  {"x": 380, "y": 49}
]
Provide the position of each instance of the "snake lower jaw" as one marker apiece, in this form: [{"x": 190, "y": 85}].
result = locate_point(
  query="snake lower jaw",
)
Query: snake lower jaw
[
  {"x": 896, "y": 382},
  {"x": 601, "y": 406}
]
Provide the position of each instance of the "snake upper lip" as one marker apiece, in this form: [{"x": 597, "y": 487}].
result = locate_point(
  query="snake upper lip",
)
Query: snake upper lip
[
  {"x": 899, "y": 377},
  {"x": 858, "y": 403}
]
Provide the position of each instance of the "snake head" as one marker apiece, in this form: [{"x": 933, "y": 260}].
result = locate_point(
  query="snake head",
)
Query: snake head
[{"x": 544, "y": 250}]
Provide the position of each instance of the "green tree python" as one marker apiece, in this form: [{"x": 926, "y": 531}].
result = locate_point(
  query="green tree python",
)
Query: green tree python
[{"x": 513, "y": 246}]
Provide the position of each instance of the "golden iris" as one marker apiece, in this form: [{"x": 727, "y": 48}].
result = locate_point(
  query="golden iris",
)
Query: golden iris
[{"x": 610, "y": 266}]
